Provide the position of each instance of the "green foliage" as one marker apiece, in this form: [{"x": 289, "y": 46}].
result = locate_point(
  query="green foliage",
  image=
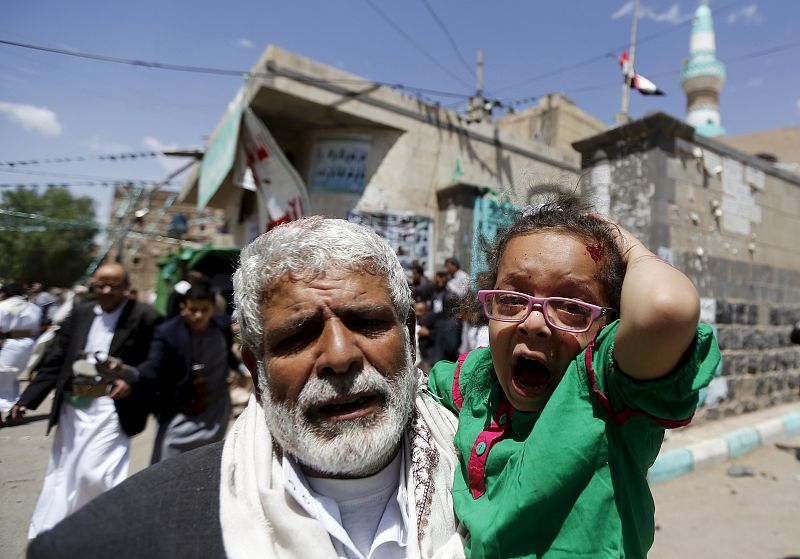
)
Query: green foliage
[{"x": 54, "y": 249}]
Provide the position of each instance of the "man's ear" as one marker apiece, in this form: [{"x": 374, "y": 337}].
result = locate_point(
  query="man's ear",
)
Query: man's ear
[
  {"x": 251, "y": 363},
  {"x": 411, "y": 325}
]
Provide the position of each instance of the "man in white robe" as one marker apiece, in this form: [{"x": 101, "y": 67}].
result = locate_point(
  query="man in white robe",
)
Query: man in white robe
[
  {"x": 91, "y": 448},
  {"x": 19, "y": 326}
]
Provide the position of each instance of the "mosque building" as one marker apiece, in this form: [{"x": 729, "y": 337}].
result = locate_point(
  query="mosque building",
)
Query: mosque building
[{"x": 703, "y": 76}]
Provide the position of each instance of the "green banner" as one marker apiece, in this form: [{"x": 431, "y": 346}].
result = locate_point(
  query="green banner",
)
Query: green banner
[{"x": 219, "y": 157}]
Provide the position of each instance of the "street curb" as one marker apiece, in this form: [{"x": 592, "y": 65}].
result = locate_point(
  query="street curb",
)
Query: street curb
[{"x": 679, "y": 461}]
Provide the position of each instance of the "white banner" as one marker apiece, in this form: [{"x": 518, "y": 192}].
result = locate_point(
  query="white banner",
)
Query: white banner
[{"x": 281, "y": 193}]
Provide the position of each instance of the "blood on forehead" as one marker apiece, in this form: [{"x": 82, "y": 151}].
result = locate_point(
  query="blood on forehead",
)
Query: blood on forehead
[{"x": 596, "y": 251}]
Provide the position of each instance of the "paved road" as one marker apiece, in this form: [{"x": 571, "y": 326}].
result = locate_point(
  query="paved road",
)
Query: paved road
[
  {"x": 24, "y": 452},
  {"x": 709, "y": 514},
  {"x": 706, "y": 514}
]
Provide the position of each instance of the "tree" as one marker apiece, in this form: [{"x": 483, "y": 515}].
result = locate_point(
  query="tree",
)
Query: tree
[{"x": 47, "y": 236}]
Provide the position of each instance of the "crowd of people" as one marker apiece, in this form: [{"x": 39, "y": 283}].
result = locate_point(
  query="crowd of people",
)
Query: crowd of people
[
  {"x": 446, "y": 327},
  {"x": 515, "y": 416}
]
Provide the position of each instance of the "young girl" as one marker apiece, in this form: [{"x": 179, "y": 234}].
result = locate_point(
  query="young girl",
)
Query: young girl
[{"x": 560, "y": 418}]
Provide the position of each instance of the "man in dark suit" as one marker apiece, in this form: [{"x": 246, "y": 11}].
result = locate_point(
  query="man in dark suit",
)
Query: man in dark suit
[
  {"x": 190, "y": 359},
  {"x": 105, "y": 343}
]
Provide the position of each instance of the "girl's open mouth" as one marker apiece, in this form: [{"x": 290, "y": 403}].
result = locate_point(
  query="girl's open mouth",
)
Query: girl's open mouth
[{"x": 531, "y": 377}]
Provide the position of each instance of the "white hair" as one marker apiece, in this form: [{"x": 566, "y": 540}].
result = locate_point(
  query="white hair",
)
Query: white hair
[{"x": 304, "y": 249}]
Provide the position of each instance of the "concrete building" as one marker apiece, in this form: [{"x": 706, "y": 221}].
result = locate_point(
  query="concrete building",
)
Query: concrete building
[
  {"x": 731, "y": 222},
  {"x": 555, "y": 121},
  {"x": 416, "y": 172},
  {"x": 780, "y": 146},
  {"x": 703, "y": 76},
  {"x": 145, "y": 227}
]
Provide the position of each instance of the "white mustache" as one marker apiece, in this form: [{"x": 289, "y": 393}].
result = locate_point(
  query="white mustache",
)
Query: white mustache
[{"x": 319, "y": 391}]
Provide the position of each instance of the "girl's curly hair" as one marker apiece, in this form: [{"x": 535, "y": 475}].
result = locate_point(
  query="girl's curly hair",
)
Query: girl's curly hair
[{"x": 559, "y": 211}]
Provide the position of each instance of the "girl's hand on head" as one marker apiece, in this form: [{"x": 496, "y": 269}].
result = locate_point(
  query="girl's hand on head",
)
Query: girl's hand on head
[{"x": 629, "y": 246}]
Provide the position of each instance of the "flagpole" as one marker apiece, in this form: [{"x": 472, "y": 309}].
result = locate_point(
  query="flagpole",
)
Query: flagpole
[{"x": 626, "y": 85}]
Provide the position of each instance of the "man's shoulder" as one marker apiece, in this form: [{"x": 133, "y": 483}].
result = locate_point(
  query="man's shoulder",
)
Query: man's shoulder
[
  {"x": 171, "y": 325},
  {"x": 146, "y": 313},
  {"x": 168, "y": 510}
]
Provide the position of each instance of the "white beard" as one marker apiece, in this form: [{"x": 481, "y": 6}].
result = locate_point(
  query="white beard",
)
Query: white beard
[{"x": 355, "y": 447}]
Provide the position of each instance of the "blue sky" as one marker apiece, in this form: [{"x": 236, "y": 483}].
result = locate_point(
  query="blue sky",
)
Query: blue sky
[{"x": 56, "y": 106}]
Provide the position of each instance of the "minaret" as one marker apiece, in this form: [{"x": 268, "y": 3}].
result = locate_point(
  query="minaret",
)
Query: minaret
[{"x": 703, "y": 76}]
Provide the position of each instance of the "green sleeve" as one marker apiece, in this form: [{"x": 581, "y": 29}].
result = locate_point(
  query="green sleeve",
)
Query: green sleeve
[
  {"x": 673, "y": 397},
  {"x": 440, "y": 384}
]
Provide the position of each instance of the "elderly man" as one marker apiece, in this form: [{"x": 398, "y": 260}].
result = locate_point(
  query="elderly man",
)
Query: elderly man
[
  {"x": 96, "y": 417},
  {"x": 340, "y": 454}
]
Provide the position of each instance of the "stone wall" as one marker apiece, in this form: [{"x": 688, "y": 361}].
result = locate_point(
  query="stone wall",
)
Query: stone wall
[
  {"x": 731, "y": 223},
  {"x": 753, "y": 308}
]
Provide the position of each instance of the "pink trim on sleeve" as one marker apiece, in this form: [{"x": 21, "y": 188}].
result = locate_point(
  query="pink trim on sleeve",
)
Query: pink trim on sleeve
[{"x": 619, "y": 418}]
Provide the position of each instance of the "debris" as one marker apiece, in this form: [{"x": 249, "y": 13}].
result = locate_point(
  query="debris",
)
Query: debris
[
  {"x": 740, "y": 471},
  {"x": 789, "y": 448}
]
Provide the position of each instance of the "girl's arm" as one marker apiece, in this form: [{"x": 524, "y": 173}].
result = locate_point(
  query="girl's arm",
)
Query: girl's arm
[{"x": 659, "y": 311}]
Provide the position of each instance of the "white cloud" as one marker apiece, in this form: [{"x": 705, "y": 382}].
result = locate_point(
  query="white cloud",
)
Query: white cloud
[
  {"x": 36, "y": 119},
  {"x": 244, "y": 43},
  {"x": 672, "y": 15},
  {"x": 747, "y": 15},
  {"x": 168, "y": 163},
  {"x": 100, "y": 145}
]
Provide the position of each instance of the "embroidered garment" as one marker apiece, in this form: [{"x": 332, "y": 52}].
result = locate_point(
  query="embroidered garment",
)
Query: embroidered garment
[{"x": 260, "y": 518}]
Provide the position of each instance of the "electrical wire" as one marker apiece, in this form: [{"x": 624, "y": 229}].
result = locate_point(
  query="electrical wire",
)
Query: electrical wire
[
  {"x": 449, "y": 37},
  {"x": 747, "y": 56},
  {"x": 413, "y": 43},
  {"x": 141, "y": 184},
  {"x": 94, "y": 178},
  {"x": 82, "y": 158},
  {"x": 613, "y": 53},
  {"x": 215, "y": 71}
]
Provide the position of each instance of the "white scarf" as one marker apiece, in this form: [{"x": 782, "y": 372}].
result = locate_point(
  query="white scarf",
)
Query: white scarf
[{"x": 260, "y": 519}]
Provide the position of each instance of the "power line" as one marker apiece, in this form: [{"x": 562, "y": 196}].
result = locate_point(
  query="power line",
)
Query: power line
[
  {"x": 141, "y": 63},
  {"x": 611, "y": 53},
  {"x": 94, "y": 178},
  {"x": 413, "y": 43},
  {"x": 748, "y": 56},
  {"x": 447, "y": 34},
  {"x": 142, "y": 184},
  {"x": 215, "y": 71},
  {"x": 82, "y": 158}
]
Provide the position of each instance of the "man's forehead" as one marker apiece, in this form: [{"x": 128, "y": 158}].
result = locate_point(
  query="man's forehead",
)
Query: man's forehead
[
  {"x": 110, "y": 271},
  {"x": 346, "y": 289},
  {"x": 198, "y": 303}
]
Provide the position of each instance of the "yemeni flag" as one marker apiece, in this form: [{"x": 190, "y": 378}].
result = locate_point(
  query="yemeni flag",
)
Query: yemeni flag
[{"x": 637, "y": 81}]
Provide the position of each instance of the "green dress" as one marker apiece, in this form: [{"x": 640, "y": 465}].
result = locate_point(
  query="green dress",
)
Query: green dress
[{"x": 570, "y": 480}]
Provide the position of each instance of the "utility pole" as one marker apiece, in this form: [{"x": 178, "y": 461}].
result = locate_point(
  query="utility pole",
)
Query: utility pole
[
  {"x": 478, "y": 107},
  {"x": 623, "y": 117},
  {"x": 479, "y": 74}
]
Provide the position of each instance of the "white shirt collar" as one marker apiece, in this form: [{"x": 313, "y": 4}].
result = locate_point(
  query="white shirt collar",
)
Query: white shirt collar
[
  {"x": 98, "y": 310},
  {"x": 393, "y": 526}
]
